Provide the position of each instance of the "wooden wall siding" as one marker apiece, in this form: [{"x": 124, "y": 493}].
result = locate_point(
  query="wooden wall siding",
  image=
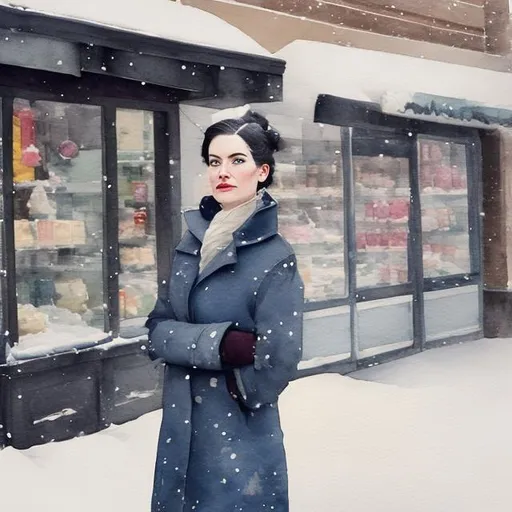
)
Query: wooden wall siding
[
  {"x": 447, "y": 22},
  {"x": 497, "y": 26}
]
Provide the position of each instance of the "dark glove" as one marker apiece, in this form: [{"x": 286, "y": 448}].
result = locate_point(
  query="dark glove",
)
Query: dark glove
[{"x": 237, "y": 348}]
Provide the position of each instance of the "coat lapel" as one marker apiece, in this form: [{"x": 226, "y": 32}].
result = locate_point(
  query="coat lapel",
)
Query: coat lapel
[{"x": 260, "y": 226}]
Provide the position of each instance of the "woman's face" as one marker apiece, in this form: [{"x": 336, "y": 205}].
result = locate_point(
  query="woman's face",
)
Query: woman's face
[{"x": 232, "y": 171}]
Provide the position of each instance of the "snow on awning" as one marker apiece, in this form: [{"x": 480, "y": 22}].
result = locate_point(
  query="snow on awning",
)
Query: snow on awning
[
  {"x": 160, "y": 18},
  {"x": 395, "y": 84}
]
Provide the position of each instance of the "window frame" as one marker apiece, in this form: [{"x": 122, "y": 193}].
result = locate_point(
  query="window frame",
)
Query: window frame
[{"x": 167, "y": 196}]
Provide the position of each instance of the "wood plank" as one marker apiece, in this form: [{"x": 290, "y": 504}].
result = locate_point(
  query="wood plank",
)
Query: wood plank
[
  {"x": 342, "y": 15},
  {"x": 453, "y": 11},
  {"x": 335, "y": 11}
]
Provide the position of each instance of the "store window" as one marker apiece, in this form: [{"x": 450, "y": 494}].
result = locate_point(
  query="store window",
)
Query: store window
[
  {"x": 445, "y": 206},
  {"x": 137, "y": 236},
  {"x": 309, "y": 188},
  {"x": 58, "y": 219},
  {"x": 382, "y": 200}
]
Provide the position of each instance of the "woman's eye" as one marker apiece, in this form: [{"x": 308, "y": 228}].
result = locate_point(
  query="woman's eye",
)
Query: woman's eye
[
  {"x": 214, "y": 163},
  {"x": 238, "y": 161}
]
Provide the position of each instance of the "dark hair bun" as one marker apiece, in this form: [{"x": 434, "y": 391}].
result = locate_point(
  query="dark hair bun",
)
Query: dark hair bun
[{"x": 273, "y": 136}]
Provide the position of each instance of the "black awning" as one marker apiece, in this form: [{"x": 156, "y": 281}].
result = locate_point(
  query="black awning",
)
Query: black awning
[
  {"x": 218, "y": 76},
  {"x": 340, "y": 111}
]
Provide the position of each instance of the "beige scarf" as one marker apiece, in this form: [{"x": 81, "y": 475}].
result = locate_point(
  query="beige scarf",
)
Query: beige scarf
[{"x": 220, "y": 232}]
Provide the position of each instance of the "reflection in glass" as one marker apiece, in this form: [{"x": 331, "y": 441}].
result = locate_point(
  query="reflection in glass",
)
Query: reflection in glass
[
  {"x": 57, "y": 161},
  {"x": 137, "y": 240},
  {"x": 382, "y": 199},
  {"x": 444, "y": 205},
  {"x": 309, "y": 188}
]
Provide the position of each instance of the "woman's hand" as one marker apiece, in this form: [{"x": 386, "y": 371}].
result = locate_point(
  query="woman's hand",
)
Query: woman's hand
[{"x": 237, "y": 348}]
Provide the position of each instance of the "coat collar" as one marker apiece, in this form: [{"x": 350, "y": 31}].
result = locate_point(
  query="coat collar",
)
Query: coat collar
[{"x": 262, "y": 224}]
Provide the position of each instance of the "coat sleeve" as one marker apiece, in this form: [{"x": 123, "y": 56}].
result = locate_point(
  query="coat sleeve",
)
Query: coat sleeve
[
  {"x": 182, "y": 343},
  {"x": 278, "y": 318}
]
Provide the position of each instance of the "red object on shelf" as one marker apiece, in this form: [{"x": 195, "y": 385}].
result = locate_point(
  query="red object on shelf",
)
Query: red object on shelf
[
  {"x": 443, "y": 178},
  {"x": 398, "y": 239},
  {"x": 140, "y": 217},
  {"x": 399, "y": 209},
  {"x": 361, "y": 241},
  {"x": 373, "y": 239},
  {"x": 68, "y": 149},
  {"x": 382, "y": 210},
  {"x": 384, "y": 239},
  {"x": 28, "y": 135},
  {"x": 369, "y": 210}
]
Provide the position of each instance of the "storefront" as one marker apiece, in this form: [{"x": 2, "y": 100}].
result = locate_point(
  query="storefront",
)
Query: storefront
[
  {"x": 92, "y": 197},
  {"x": 380, "y": 192}
]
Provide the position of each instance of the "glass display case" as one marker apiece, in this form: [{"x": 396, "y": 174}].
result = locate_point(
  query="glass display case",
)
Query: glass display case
[
  {"x": 445, "y": 208},
  {"x": 309, "y": 189},
  {"x": 58, "y": 219},
  {"x": 382, "y": 199},
  {"x": 137, "y": 228},
  {"x": 59, "y": 187}
]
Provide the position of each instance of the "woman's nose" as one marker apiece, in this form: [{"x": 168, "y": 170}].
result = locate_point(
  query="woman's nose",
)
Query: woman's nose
[{"x": 224, "y": 170}]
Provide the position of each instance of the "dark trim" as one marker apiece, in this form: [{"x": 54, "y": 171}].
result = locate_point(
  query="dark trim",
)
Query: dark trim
[
  {"x": 100, "y": 35},
  {"x": 383, "y": 292},
  {"x": 163, "y": 218},
  {"x": 326, "y": 304},
  {"x": 173, "y": 123},
  {"x": 87, "y": 89},
  {"x": 475, "y": 206},
  {"x": 166, "y": 72},
  {"x": 374, "y": 141},
  {"x": 497, "y": 318},
  {"x": 431, "y": 284},
  {"x": 111, "y": 263},
  {"x": 9, "y": 280},
  {"x": 346, "y": 112},
  {"x": 415, "y": 262},
  {"x": 341, "y": 367},
  {"x": 350, "y": 234}
]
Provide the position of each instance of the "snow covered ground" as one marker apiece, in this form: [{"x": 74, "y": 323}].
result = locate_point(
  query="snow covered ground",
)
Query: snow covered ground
[{"x": 430, "y": 433}]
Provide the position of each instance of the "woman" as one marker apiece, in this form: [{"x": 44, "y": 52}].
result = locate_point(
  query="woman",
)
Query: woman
[{"x": 230, "y": 332}]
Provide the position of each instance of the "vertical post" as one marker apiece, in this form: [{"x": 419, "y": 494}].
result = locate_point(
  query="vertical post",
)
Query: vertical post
[
  {"x": 167, "y": 191},
  {"x": 350, "y": 235},
  {"x": 416, "y": 238},
  {"x": 9, "y": 299},
  {"x": 474, "y": 163},
  {"x": 111, "y": 263}
]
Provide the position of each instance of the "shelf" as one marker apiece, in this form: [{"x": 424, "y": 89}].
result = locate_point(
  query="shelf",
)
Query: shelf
[
  {"x": 135, "y": 242},
  {"x": 382, "y": 250},
  {"x": 309, "y": 193},
  {"x": 55, "y": 247},
  {"x": 58, "y": 268},
  {"x": 455, "y": 194},
  {"x": 131, "y": 203},
  {"x": 68, "y": 188}
]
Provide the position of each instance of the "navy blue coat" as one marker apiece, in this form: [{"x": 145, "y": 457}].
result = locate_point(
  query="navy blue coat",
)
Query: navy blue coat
[{"x": 215, "y": 453}]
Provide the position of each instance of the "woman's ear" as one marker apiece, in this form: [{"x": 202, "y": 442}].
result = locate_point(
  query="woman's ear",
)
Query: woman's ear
[{"x": 263, "y": 173}]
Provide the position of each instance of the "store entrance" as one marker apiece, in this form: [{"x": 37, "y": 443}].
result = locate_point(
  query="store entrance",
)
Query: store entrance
[{"x": 382, "y": 262}]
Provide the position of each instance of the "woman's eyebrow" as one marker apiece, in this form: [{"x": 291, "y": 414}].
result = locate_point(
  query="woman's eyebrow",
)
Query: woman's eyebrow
[{"x": 230, "y": 156}]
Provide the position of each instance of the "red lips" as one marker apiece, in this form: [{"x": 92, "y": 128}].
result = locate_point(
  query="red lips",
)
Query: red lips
[{"x": 225, "y": 186}]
